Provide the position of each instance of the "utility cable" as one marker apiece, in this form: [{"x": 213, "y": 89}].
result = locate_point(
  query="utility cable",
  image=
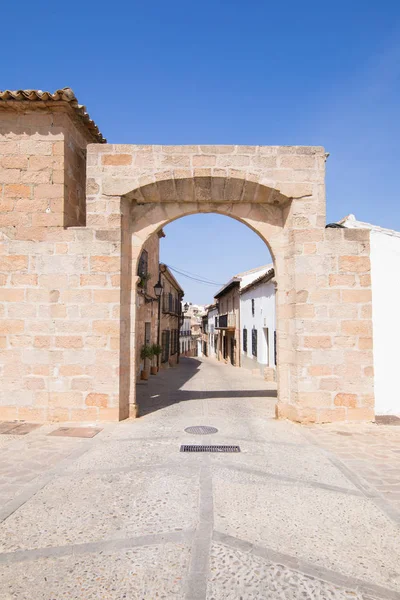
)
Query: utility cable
[
  {"x": 198, "y": 279},
  {"x": 182, "y": 271}
]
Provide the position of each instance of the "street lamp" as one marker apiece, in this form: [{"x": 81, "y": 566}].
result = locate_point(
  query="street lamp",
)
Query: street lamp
[
  {"x": 185, "y": 307},
  {"x": 158, "y": 290}
]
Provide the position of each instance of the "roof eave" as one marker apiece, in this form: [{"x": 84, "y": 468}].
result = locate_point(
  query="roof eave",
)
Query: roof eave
[{"x": 62, "y": 97}]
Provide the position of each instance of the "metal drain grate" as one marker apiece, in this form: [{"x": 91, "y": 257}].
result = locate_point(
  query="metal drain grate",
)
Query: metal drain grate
[
  {"x": 191, "y": 448},
  {"x": 17, "y": 428},
  {"x": 387, "y": 420},
  {"x": 80, "y": 432},
  {"x": 201, "y": 429}
]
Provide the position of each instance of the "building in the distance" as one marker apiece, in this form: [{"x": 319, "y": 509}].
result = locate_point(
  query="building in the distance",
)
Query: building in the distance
[
  {"x": 146, "y": 330},
  {"x": 171, "y": 302},
  {"x": 204, "y": 335},
  {"x": 186, "y": 342},
  {"x": 258, "y": 325},
  {"x": 227, "y": 322},
  {"x": 212, "y": 313},
  {"x": 195, "y": 312}
]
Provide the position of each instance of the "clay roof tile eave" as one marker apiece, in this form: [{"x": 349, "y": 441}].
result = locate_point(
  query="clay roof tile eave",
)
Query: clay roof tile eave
[{"x": 62, "y": 95}]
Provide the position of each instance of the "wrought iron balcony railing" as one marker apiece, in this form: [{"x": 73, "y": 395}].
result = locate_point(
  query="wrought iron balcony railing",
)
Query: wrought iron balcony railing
[{"x": 227, "y": 321}]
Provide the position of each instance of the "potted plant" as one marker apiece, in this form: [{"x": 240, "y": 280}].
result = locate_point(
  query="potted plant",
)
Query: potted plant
[
  {"x": 146, "y": 354},
  {"x": 144, "y": 278},
  {"x": 156, "y": 353}
]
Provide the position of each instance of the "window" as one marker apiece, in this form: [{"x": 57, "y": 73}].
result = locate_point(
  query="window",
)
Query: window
[
  {"x": 165, "y": 346},
  {"x": 170, "y": 303},
  {"x": 244, "y": 340},
  {"x": 254, "y": 342},
  {"x": 266, "y": 336},
  {"x": 174, "y": 341},
  {"x": 147, "y": 333},
  {"x": 143, "y": 269},
  {"x": 252, "y": 307}
]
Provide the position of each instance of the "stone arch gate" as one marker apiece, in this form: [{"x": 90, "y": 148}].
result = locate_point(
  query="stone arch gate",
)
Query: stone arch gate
[
  {"x": 68, "y": 263},
  {"x": 323, "y": 298}
]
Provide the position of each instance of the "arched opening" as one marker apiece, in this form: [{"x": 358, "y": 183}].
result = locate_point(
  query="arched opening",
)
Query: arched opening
[
  {"x": 325, "y": 354},
  {"x": 148, "y": 209}
]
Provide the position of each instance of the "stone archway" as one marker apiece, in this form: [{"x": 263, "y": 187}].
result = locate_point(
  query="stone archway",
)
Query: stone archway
[
  {"x": 144, "y": 219},
  {"x": 324, "y": 365}
]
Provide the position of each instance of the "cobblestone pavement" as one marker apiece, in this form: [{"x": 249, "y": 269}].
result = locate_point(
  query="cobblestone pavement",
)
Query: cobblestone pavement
[{"x": 299, "y": 513}]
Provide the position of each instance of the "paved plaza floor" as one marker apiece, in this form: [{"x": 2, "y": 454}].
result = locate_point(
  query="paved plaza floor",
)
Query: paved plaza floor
[{"x": 299, "y": 513}]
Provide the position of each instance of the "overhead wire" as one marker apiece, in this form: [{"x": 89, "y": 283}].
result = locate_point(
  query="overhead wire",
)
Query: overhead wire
[{"x": 194, "y": 277}]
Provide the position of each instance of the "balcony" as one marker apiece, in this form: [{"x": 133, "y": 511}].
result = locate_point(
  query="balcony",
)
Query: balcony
[
  {"x": 227, "y": 321},
  {"x": 171, "y": 304}
]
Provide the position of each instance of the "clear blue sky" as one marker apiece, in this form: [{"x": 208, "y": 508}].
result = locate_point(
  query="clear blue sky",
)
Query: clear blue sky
[{"x": 228, "y": 72}]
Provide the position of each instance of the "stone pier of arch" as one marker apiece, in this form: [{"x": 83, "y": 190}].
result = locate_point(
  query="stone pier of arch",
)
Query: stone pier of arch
[{"x": 68, "y": 295}]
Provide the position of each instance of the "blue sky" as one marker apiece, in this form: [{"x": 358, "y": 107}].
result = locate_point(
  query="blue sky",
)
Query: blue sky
[{"x": 228, "y": 72}]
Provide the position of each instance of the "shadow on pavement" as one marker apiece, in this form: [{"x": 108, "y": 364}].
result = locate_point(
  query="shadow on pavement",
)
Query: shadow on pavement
[{"x": 164, "y": 389}]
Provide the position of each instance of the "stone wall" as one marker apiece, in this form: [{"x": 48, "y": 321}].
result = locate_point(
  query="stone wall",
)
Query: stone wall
[
  {"x": 42, "y": 169},
  {"x": 60, "y": 327},
  {"x": 331, "y": 308}
]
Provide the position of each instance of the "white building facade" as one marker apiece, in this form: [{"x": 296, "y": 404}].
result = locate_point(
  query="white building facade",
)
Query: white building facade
[
  {"x": 385, "y": 283},
  {"x": 212, "y": 333},
  {"x": 185, "y": 337},
  {"x": 258, "y": 325}
]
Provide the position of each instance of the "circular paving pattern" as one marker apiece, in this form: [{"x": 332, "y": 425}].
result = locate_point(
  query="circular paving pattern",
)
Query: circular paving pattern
[{"x": 201, "y": 430}]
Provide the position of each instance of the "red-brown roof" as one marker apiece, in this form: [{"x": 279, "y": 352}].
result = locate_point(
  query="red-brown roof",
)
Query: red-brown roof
[{"x": 63, "y": 95}]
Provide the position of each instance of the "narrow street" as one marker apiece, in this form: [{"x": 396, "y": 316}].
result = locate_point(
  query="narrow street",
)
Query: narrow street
[{"x": 299, "y": 513}]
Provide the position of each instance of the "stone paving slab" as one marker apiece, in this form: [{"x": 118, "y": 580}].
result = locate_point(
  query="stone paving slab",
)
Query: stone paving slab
[
  {"x": 105, "y": 506},
  {"x": 131, "y": 574},
  {"x": 129, "y": 453},
  {"x": 79, "y": 432},
  {"x": 286, "y": 460},
  {"x": 370, "y": 451}
]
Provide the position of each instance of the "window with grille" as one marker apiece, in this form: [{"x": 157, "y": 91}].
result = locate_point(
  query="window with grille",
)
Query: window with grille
[
  {"x": 165, "y": 338},
  {"x": 244, "y": 340},
  {"x": 143, "y": 269},
  {"x": 174, "y": 341},
  {"x": 254, "y": 342},
  {"x": 147, "y": 333}
]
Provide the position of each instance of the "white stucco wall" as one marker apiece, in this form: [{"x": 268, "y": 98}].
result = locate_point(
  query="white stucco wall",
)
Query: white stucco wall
[
  {"x": 264, "y": 318},
  {"x": 385, "y": 283},
  {"x": 185, "y": 340},
  {"x": 385, "y": 277},
  {"x": 211, "y": 332}
]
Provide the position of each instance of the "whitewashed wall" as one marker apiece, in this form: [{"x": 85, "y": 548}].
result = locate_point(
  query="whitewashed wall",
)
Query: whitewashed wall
[
  {"x": 186, "y": 340},
  {"x": 212, "y": 350},
  {"x": 385, "y": 284},
  {"x": 385, "y": 276},
  {"x": 264, "y": 317}
]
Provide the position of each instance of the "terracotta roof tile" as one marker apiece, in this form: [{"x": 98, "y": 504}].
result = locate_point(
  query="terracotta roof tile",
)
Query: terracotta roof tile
[{"x": 63, "y": 95}]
